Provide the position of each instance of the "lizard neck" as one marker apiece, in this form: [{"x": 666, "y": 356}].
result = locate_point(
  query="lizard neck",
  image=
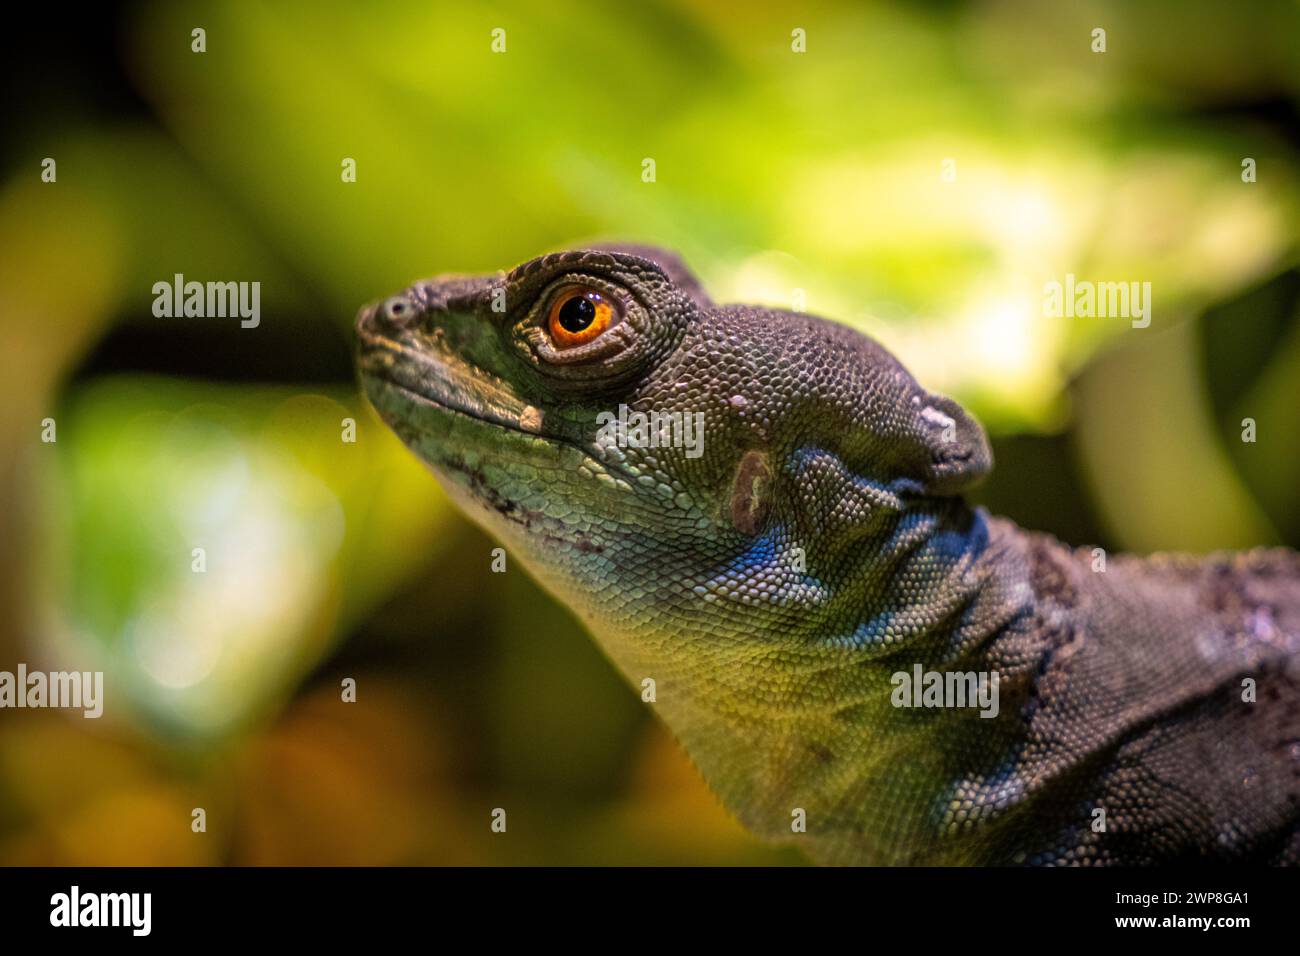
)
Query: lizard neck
[
  {"x": 797, "y": 717},
  {"x": 939, "y": 589}
]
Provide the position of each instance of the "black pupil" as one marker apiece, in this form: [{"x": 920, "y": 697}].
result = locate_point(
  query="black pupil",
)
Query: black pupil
[{"x": 577, "y": 314}]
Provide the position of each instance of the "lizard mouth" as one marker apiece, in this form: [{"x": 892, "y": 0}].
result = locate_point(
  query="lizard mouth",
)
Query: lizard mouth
[
  {"x": 433, "y": 385},
  {"x": 423, "y": 398},
  {"x": 440, "y": 381},
  {"x": 403, "y": 381},
  {"x": 411, "y": 382},
  {"x": 431, "y": 375}
]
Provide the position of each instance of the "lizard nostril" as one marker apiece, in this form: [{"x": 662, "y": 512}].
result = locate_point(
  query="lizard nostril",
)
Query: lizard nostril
[{"x": 396, "y": 312}]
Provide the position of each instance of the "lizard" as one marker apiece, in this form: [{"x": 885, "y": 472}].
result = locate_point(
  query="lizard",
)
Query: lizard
[{"x": 783, "y": 578}]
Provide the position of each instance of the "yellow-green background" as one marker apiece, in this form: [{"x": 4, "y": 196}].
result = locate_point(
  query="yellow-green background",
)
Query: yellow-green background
[{"x": 776, "y": 171}]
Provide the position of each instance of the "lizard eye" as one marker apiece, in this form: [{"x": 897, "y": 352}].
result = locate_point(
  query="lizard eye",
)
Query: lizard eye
[{"x": 579, "y": 314}]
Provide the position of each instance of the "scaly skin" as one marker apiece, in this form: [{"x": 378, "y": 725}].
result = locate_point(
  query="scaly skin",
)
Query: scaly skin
[{"x": 772, "y": 585}]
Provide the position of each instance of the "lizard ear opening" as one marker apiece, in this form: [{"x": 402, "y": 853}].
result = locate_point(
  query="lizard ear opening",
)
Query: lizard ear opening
[{"x": 953, "y": 453}]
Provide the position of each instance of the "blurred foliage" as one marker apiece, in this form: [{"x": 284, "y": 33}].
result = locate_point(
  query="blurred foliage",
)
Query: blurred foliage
[
  {"x": 260, "y": 481},
  {"x": 777, "y": 175}
]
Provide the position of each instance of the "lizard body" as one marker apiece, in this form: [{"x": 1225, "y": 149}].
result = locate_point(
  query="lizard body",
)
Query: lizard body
[{"x": 776, "y": 578}]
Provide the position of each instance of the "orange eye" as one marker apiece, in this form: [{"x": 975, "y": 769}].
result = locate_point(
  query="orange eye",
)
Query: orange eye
[{"x": 579, "y": 314}]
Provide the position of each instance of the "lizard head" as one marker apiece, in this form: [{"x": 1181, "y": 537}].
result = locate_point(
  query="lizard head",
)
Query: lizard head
[
  {"x": 501, "y": 384},
  {"x": 725, "y": 494}
]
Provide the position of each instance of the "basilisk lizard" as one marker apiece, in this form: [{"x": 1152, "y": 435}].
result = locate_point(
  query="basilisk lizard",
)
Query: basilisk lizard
[{"x": 781, "y": 580}]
